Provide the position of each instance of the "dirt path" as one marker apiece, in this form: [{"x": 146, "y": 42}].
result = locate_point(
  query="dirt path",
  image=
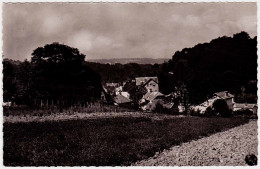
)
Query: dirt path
[{"x": 227, "y": 148}]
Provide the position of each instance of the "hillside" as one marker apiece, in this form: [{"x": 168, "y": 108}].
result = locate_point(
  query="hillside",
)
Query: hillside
[
  {"x": 130, "y": 60},
  {"x": 225, "y": 63}
]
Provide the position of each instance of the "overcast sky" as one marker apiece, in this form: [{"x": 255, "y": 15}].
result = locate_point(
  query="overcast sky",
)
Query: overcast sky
[{"x": 121, "y": 30}]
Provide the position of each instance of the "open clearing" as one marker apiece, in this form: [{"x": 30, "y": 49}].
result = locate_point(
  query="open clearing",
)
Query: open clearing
[{"x": 102, "y": 141}]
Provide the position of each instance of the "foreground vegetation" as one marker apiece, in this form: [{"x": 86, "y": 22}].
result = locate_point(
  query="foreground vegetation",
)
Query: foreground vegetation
[
  {"x": 102, "y": 142},
  {"x": 42, "y": 111}
]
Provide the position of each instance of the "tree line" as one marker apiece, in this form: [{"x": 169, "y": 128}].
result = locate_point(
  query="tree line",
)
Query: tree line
[
  {"x": 225, "y": 63},
  {"x": 59, "y": 72},
  {"x": 56, "y": 72}
]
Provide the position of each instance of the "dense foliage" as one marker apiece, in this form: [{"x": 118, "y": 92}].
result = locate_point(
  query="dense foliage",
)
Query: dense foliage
[
  {"x": 123, "y": 72},
  {"x": 136, "y": 92},
  {"x": 220, "y": 107},
  {"x": 55, "y": 73},
  {"x": 59, "y": 72},
  {"x": 226, "y": 63}
]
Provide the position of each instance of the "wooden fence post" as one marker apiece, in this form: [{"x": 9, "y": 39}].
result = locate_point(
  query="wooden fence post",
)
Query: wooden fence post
[{"x": 41, "y": 103}]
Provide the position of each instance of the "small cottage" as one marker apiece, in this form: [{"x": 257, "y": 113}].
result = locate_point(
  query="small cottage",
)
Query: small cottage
[
  {"x": 229, "y": 98},
  {"x": 150, "y": 83},
  {"x": 244, "y": 106}
]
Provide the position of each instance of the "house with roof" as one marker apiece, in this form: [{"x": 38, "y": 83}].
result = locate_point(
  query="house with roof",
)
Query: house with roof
[
  {"x": 225, "y": 95},
  {"x": 151, "y": 99},
  {"x": 150, "y": 96},
  {"x": 245, "y": 106},
  {"x": 228, "y": 97},
  {"x": 142, "y": 80},
  {"x": 122, "y": 101},
  {"x": 150, "y": 83}
]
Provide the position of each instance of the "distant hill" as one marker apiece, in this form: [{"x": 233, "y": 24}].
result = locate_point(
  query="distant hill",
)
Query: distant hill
[{"x": 130, "y": 60}]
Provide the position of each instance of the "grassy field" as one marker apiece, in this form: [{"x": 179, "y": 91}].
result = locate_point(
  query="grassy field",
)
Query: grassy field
[
  {"x": 41, "y": 111},
  {"x": 102, "y": 142}
]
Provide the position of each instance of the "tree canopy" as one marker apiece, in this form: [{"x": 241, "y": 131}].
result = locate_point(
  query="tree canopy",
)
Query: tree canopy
[
  {"x": 55, "y": 72},
  {"x": 57, "y": 54},
  {"x": 226, "y": 63}
]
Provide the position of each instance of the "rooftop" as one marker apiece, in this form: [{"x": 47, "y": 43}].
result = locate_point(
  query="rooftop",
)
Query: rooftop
[
  {"x": 224, "y": 95},
  {"x": 152, "y": 95},
  {"x": 143, "y": 80},
  {"x": 121, "y": 99},
  {"x": 244, "y": 105}
]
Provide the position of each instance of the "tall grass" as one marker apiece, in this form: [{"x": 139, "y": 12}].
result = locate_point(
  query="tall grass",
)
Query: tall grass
[
  {"x": 102, "y": 142},
  {"x": 86, "y": 108}
]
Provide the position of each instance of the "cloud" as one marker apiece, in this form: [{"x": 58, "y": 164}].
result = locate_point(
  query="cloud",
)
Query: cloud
[
  {"x": 86, "y": 41},
  {"x": 102, "y": 41},
  {"x": 110, "y": 30},
  {"x": 248, "y": 23},
  {"x": 81, "y": 40},
  {"x": 51, "y": 25}
]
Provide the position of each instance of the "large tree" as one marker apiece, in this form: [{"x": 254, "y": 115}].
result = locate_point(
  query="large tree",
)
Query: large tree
[
  {"x": 57, "y": 54},
  {"x": 59, "y": 74}
]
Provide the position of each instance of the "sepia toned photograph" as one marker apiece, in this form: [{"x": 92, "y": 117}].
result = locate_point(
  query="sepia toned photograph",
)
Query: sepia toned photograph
[{"x": 129, "y": 84}]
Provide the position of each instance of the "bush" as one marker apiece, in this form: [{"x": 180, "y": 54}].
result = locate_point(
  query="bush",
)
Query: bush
[
  {"x": 194, "y": 112},
  {"x": 220, "y": 107},
  {"x": 209, "y": 112},
  {"x": 159, "y": 108},
  {"x": 245, "y": 112}
]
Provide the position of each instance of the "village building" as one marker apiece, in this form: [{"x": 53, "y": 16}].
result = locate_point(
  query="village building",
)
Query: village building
[
  {"x": 114, "y": 94},
  {"x": 225, "y": 95},
  {"x": 112, "y": 84},
  {"x": 246, "y": 106},
  {"x": 150, "y": 96},
  {"x": 122, "y": 101},
  {"x": 229, "y": 98},
  {"x": 143, "y": 80},
  {"x": 158, "y": 100},
  {"x": 151, "y": 86},
  {"x": 150, "y": 83}
]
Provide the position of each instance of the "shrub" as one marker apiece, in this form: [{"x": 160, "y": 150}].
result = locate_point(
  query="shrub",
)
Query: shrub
[
  {"x": 159, "y": 108},
  {"x": 209, "y": 112},
  {"x": 220, "y": 107},
  {"x": 244, "y": 112},
  {"x": 194, "y": 112}
]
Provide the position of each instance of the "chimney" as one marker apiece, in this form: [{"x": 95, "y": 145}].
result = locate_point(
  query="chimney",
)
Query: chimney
[{"x": 226, "y": 93}]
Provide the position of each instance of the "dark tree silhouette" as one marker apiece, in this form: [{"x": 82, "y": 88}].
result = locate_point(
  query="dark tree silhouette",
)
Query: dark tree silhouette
[
  {"x": 226, "y": 63},
  {"x": 59, "y": 74},
  {"x": 57, "y": 54},
  {"x": 220, "y": 107},
  {"x": 9, "y": 83},
  {"x": 136, "y": 92}
]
